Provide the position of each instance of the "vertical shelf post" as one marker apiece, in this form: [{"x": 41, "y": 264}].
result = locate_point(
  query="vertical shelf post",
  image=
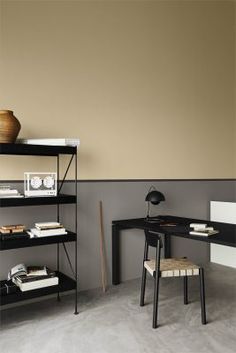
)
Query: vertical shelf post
[
  {"x": 58, "y": 219},
  {"x": 76, "y": 242}
]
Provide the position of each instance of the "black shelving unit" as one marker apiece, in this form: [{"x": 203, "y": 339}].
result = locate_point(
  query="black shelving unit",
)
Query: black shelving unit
[{"x": 65, "y": 283}]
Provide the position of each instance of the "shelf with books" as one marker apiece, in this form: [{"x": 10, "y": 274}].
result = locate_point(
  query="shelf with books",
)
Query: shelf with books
[
  {"x": 65, "y": 284},
  {"x": 34, "y": 201},
  {"x": 28, "y": 242}
]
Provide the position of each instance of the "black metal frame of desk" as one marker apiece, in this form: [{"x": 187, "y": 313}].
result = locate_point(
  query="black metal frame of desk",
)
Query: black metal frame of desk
[{"x": 226, "y": 236}]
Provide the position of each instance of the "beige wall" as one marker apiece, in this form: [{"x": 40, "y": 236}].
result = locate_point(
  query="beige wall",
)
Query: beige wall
[
  {"x": 147, "y": 86},
  {"x": 235, "y": 89}
]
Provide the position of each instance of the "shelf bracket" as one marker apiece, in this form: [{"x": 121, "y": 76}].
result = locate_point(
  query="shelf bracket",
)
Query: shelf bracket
[
  {"x": 69, "y": 261},
  {"x": 64, "y": 177}
]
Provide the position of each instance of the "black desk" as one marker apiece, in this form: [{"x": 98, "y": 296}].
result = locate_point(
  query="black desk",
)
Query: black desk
[{"x": 226, "y": 235}]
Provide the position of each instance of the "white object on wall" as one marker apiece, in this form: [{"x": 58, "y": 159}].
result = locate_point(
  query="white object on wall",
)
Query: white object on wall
[{"x": 224, "y": 212}]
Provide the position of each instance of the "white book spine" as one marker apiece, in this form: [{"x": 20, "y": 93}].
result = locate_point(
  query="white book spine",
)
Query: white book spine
[
  {"x": 47, "y": 224},
  {"x": 49, "y": 235},
  {"x": 48, "y": 282},
  {"x": 48, "y": 231},
  {"x": 51, "y": 142},
  {"x": 198, "y": 225},
  {"x": 8, "y": 191}
]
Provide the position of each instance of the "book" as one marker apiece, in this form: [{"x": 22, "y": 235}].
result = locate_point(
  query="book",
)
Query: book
[
  {"x": 32, "y": 285},
  {"x": 35, "y": 273},
  {"x": 9, "y": 229},
  {"x": 5, "y": 187},
  {"x": 48, "y": 228},
  {"x": 48, "y": 225},
  {"x": 198, "y": 225},
  {"x": 23, "y": 270},
  {"x": 5, "y": 231},
  {"x": 8, "y": 192},
  {"x": 49, "y": 232},
  {"x": 51, "y": 141},
  {"x": 26, "y": 279},
  {"x": 32, "y": 277},
  {"x": 17, "y": 270},
  {"x": 13, "y": 226},
  {"x": 10, "y": 196},
  {"x": 204, "y": 232}
]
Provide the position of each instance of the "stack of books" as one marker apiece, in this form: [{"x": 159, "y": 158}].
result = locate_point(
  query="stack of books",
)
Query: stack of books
[
  {"x": 7, "y": 192},
  {"x": 46, "y": 229},
  {"x": 75, "y": 142},
  {"x": 12, "y": 229},
  {"x": 34, "y": 277},
  {"x": 15, "y": 231},
  {"x": 202, "y": 229}
]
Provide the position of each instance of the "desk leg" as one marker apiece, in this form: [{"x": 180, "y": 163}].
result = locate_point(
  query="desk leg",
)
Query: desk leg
[
  {"x": 167, "y": 246},
  {"x": 115, "y": 255}
]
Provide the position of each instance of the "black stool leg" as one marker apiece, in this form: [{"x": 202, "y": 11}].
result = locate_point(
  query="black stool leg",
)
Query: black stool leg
[
  {"x": 156, "y": 282},
  {"x": 143, "y": 286},
  {"x": 202, "y": 295},
  {"x": 155, "y": 303},
  {"x": 185, "y": 290}
]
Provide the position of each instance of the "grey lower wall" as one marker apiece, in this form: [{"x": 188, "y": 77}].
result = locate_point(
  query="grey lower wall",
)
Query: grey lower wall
[{"x": 124, "y": 199}]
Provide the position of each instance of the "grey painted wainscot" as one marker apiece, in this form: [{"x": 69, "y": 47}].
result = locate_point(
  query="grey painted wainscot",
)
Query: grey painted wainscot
[{"x": 121, "y": 199}]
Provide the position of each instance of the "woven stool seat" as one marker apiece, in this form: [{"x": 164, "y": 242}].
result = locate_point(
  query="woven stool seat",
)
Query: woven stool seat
[{"x": 173, "y": 267}]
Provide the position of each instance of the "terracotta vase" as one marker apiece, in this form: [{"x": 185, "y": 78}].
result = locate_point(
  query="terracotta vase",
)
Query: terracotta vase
[{"x": 9, "y": 127}]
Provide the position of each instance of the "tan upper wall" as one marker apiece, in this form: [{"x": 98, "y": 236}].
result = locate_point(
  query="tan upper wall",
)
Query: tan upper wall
[
  {"x": 235, "y": 89},
  {"x": 147, "y": 86}
]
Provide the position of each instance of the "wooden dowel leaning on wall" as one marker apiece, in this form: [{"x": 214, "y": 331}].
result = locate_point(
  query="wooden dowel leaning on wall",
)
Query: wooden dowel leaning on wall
[{"x": 102, "y": 250}]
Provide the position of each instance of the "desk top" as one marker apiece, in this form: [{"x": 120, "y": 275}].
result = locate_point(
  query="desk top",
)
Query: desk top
[{"x": 226, "y": 235}]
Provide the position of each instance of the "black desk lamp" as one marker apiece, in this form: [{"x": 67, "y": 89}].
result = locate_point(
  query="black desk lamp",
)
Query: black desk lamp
[{"x": 153, "y": 197}]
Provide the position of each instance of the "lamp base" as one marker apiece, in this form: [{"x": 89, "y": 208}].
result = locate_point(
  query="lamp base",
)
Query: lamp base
[{"x": 156, "y": 219}]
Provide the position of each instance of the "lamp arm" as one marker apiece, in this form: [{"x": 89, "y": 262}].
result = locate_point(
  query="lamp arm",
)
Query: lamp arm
[
  {"x": 152, "y": 187},
  {"x": 148, "y": 210}
]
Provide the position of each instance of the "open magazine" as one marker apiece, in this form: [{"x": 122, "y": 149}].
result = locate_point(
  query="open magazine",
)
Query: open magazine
[
  {"x": 32, "y": 277},
  {"x": 18, "y": 270}
]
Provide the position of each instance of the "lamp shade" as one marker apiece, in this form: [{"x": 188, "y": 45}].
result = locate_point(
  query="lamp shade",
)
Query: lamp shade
[{"x": 155, "y": 197}]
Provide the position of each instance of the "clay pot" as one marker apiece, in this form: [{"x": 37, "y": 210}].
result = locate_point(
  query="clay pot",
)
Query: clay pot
[{"x": 9, "y": 127}]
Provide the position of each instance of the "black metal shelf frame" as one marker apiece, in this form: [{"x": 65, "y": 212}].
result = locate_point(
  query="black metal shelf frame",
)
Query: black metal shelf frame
[
  {"x": 59, "y": 187},
  {"x": 14, "y": 149}
]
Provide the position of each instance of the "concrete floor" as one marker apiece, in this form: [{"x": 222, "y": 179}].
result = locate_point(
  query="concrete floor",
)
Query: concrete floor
[{"x": 114, "y": 322}]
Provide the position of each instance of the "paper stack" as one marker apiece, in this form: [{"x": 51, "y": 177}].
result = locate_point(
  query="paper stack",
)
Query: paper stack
[
  {"x": 202, "y": 229},
  {"x": 45, "y": 229}
]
